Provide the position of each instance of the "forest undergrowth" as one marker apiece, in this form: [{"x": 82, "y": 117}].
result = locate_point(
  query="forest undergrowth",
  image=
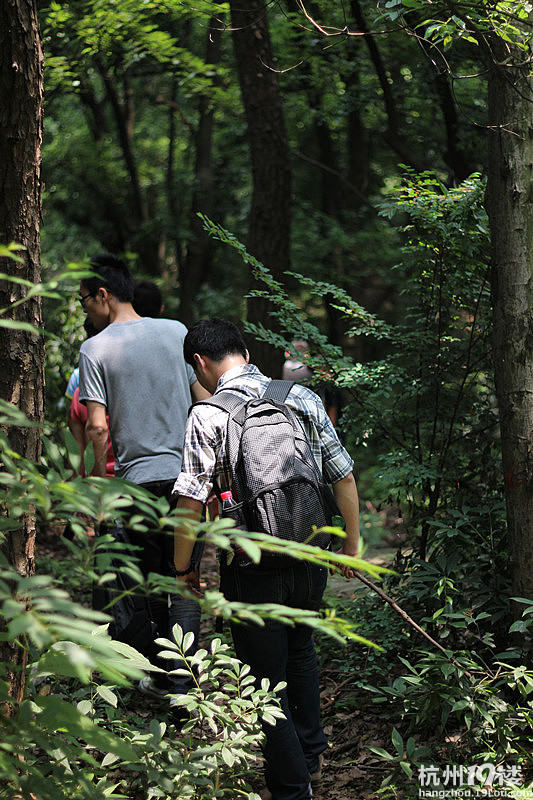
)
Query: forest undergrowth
[
  {"x": 458, "y": 702},
  {"x": 352, "y": 721}
]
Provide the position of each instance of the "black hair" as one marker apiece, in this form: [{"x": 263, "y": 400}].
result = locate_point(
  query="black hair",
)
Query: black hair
[
  {"x": 90, "y": 330},
  {"x": 147, "y": 299},
  {"x": 112, "y": 273},
  {"x": 215, "y": 338}
]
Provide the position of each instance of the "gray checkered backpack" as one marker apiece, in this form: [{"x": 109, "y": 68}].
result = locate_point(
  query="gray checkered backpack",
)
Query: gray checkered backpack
[{"x": 276, "y": 482}]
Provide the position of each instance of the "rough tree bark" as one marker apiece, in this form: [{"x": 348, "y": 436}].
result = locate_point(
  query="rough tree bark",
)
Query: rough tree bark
[
  {"x": 21, "y": 352},
  {"x": 510, "y": 208},
  {"x": 269, "y": 220}
]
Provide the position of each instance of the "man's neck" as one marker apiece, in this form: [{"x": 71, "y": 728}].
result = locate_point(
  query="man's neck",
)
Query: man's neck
[
  {"x": 230, "y": 362},
  {"x": 216, "y": 369},
  {"x": 122, "y": 312}
]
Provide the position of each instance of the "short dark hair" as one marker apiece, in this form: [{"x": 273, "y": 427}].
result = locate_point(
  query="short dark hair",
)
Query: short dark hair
[
  {"x": 112, "y": 273},
  {"x": 90, "y": 330},
  {"x": 215, "y": 338},
  {"x": 147, "y": 299}
]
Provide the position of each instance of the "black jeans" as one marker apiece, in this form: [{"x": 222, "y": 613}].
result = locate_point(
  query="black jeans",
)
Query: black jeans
[
  {"x": 283, "y": 653},
  {"x": 157, "y": 555}
]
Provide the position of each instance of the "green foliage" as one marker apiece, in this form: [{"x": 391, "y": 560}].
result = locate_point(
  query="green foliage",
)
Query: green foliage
[
  {"x": 449, "y": 23},
  {"x": 206, "y": 757},
  {"x": 463, "y": 584},
  {"x": 370, "y": 665},
  {"x": 406, "y": 756},
  {"x": 492, "y": 708},
  {"x": 430, "y": 399},
  {"x": 127, "y": 86},
  {"x": 437, "y": 387},
  {"x": 126, "y": 35},
  {"x": 415, "y": 369},
  {"x": 128, "y": 90},
  {"x": 71, "y": 734}
]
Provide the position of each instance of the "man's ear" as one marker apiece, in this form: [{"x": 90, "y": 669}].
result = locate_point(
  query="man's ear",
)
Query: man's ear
[
  {"x": 247, "y": 357},
  {"x": 199, "y": 362}
]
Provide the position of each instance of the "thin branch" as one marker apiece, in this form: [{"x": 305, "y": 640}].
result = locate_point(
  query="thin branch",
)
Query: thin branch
[
  {"x": 338, "y": 175},
  {"x": 405, "y": 616},
  {"x": 342, "y": 31}
]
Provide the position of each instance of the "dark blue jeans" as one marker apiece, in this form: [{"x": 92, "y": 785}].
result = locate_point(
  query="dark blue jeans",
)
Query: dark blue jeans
[
  {"x": 157, "y": 555},
  {"x": 283, "y": 653}
]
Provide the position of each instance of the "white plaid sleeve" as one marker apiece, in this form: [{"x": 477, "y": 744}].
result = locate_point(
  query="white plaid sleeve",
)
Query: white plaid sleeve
[{"x": 200, "y": 455}]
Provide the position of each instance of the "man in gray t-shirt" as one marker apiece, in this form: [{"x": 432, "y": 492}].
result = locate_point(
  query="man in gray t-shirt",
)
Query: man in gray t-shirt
[
  {"x": 135, "y": 368},
  {"x": 134, "y": 371}
]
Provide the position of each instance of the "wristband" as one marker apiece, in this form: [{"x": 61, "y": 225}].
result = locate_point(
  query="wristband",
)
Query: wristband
[{"x": 182, "y": 572}]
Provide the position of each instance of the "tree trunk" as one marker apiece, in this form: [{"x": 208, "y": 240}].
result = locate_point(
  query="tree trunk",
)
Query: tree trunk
[
  {"x": 510, "y": 208},
  {"x": 406, "y": 150},
  {"x": 21, "y": 352},
  {"x": 200, "y": 247},
  {"x": 269, "y": 222},
  {"x": 145, "y": 237}
]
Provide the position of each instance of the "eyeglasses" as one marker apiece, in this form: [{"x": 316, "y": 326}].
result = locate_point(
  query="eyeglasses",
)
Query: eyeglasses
[{"x": 83, "y": 297}]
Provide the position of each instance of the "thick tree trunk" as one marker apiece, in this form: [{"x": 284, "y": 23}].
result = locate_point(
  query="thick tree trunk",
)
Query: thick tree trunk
[
  {"x": 21, "y": 352},
  {"x": 510, "y": 208},
  {"x": 269, "y": 222}
]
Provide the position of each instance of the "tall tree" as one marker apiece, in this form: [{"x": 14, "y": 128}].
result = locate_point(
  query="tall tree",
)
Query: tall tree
[
  {"x": 510, "y": 208},
  {"x": 21, "y": 350},
  {"x": 503, "y": 38},
  {"x": 195, "y": 269},
  {"x": 269, "y": 220}
]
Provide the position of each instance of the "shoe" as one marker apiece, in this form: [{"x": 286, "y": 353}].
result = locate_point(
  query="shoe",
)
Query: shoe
[
  {"x": 147, "y": 687},
  {"x": 265, "y": 794},
  {"x": 316, "y": 776}
]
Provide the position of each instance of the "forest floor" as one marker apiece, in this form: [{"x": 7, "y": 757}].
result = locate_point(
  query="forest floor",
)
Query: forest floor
[{"x": 352, "y": 722}]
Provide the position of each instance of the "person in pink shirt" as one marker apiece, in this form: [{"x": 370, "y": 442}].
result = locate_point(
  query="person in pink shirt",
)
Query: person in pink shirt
[{"x": 77, "y": 419}]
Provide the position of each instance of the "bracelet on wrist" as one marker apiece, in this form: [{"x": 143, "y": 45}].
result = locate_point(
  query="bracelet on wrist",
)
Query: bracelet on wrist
[{"x": 182, "y": 572}]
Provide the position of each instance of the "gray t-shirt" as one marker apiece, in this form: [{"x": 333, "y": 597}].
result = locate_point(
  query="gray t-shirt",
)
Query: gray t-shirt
[{"x": 137, "y": 370}]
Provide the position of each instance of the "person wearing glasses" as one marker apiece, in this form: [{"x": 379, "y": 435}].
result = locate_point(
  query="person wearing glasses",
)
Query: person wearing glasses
[{"x": 135, "y": 370}]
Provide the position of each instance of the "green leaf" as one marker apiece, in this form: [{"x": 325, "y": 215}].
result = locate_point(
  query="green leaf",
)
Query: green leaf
[
  {"x": 519, "y": 626},
  {"x": 380, "y": 752},
  {"x": 188, "y": 641},
  {"x": 250, "y": 548},
  {"x": 58, "y": 715},
  {"x": 85, "y": 707},
  {"x": 107, "y": 695},
  {"x": 108, "y": 759},
  {"x": 15, "y": 325},
  {"x": 397, "y": 742},
  {"x": 406, "y": 768}
]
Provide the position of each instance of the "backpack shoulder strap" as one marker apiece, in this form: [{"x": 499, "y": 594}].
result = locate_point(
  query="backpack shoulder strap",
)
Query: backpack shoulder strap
[
  {"x": 278, "y": 390},
  {"x": 227, "y": 401}
]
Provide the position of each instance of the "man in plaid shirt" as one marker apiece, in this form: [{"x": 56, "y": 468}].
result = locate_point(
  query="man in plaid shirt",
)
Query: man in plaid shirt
[{"x": 294, "y": 746}]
